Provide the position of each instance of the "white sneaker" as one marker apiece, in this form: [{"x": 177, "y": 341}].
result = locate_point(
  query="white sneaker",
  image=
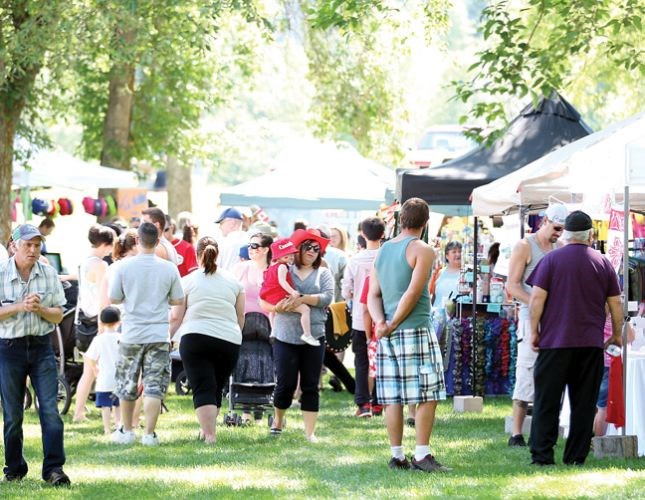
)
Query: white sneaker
[
  {"x": 150, "y": 439},
  {"x": 120, "y": 436},
  {"x": 309, "y": 340}
]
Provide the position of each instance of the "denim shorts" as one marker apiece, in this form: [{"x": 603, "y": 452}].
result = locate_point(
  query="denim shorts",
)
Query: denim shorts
[{"x": 106, "y": 400}]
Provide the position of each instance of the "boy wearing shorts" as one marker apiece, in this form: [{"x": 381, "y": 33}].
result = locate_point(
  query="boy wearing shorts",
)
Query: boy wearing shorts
[{"x": 102, "y": 356}]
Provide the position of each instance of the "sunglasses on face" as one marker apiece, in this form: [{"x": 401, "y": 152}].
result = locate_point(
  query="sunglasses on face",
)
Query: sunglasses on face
[
  {"x": 309, "y": 247},
  {"x": 558, "y": 229},
  {"x": 254, "y": 246}
]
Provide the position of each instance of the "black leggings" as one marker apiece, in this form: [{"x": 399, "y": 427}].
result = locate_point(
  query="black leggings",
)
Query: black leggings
[
  {"x": 208, "y": 363},
  {"x": 291, "y": 360}
]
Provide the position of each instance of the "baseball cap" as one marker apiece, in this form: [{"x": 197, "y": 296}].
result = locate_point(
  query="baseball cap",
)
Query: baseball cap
[
  {"x": 26, "y": 232},
  {"x": 578, "y": 221},
  {"x": 282, "y": 247},
  {"x": 229, "y": 213},
  {"x": 110, "y": 315},
  {"x": 556, "y": 213}
]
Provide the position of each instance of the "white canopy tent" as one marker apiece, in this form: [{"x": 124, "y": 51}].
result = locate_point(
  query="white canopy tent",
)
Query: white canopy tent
[
  {"x": 583, "y": 172},
  {"x": 312, "y": 175},
  {"x": 60, "y": 169}
]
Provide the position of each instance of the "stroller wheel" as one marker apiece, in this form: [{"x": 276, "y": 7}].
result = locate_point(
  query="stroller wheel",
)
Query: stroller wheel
[
  {"x": 270, "y": 420},
  {"x": 182, "y": 387},
  {"x": 229, "y": 420}
]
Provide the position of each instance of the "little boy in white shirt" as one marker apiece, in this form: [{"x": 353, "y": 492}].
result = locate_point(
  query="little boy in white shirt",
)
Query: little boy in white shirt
[{"x": 102, "y": 355}]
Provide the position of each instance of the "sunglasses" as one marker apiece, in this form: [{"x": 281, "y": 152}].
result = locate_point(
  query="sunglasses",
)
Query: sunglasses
[
  {"x": 309, "y": 247},
  {"x": 558, "y": 228},
  {"x": 254, "y": 246}
]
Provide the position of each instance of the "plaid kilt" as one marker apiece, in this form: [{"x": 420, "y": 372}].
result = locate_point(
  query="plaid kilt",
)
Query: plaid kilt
[{"x": 409, "y": 368}]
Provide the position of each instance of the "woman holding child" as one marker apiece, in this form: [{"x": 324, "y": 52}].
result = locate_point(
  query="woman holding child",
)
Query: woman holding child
[{"x": 293, "y": 357}]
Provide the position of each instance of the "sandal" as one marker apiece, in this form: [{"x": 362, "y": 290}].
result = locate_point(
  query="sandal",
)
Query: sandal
[{"x": 275, "y": 432}]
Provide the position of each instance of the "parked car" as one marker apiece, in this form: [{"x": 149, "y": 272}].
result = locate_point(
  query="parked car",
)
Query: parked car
[{"x": 438, "y": 145}]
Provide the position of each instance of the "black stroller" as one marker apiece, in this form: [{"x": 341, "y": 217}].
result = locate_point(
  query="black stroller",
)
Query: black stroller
[{"x": 253, "y": 380}]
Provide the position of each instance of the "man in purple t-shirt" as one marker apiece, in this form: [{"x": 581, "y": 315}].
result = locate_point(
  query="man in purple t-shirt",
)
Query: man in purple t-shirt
[{"x": 567, "y": 308}]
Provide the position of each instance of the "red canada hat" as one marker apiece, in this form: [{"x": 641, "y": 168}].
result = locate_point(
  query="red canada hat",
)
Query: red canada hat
[
  {"x": 282, "y": 247},
  {"x": 300, "y": 235}
]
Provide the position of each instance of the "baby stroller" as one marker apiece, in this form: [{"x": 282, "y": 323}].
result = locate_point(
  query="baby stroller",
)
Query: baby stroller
[
  {"x": 252, "y": 383},
  {"x": 178, "y": 374}
]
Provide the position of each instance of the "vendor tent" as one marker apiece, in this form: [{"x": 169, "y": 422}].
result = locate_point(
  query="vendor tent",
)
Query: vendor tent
[
  {"x": 311, "y": 175},
  {"x": 536, "y": 131},
  {"x": 584, "y": 172},
  {"x": 60, "y": 169}
]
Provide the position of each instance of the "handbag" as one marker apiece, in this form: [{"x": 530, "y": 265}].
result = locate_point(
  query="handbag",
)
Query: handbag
[{"x": 85, "y": 329}]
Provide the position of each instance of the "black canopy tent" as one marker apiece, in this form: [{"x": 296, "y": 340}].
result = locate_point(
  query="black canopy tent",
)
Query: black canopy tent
[{"x": 536, "y": 131}]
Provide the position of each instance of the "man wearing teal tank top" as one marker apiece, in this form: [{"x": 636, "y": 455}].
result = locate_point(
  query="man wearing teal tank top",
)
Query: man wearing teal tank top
[{"x": 409, "y": 367}]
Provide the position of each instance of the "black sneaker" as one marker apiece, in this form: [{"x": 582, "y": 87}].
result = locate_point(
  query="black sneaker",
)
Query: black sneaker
[
  {"x": 8, "y": 478},
  {"x": 58, "y": 478},
  {"x": 517, "y": 440},
  {"x": 428, "y": 464},
  {"x": 364, "y": 411},
  {"x": 398, "y": 463}
]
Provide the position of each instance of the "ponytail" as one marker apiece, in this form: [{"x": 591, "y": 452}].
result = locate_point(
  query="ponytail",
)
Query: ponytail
[{"x": 207, "y": 253}]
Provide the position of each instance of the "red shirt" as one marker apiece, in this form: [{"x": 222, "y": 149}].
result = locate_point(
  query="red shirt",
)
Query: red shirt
[{"x": 186, "y": 257}]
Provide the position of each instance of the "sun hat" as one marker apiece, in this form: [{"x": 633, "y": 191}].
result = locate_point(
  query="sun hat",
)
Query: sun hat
[
  {"x": 282, "y": 247},
  {"x": 556, "y": 213},
  {"x": 578, "y": 221},
  {"x": 300, "y": 235}
]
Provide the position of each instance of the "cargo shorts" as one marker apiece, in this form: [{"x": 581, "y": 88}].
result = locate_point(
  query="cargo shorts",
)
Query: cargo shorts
[{"x": 151, "y": 361}]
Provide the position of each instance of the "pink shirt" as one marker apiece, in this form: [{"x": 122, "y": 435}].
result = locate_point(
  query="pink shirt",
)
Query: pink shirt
[{"x": 251, "y": 288}]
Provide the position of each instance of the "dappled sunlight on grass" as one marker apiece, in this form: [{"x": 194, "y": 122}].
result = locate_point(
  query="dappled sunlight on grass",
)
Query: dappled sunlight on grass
[{"x": 350, "y": 460}]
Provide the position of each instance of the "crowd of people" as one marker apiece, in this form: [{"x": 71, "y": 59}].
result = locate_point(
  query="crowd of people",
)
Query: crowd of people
[{"x": 144, "y": 287}]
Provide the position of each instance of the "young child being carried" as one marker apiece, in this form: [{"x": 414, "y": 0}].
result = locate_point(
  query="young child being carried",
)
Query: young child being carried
[
  {"x": 102, "y": 355},
  {"x": 278, "y": 284}
]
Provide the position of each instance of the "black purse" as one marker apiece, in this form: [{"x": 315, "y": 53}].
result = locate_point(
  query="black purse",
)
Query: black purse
[{"x": 85, "y": 328}]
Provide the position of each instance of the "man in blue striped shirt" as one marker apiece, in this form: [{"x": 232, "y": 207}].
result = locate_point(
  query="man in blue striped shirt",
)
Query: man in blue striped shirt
[{"x": 31, "y": 300}]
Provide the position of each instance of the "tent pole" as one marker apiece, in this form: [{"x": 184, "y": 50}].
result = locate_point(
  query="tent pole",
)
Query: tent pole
[
  {"x": 474, "y": 321},
  {"x": 625, "y": 293}
]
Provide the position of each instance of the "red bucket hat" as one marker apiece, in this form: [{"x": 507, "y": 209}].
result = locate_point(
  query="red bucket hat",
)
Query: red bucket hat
[
  {"x": 300, "y": 235},
  {"x": 282, "y": 247}
]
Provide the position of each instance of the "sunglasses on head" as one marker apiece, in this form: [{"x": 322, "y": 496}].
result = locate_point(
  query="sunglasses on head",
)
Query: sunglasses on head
[
  {"x": 311, "y": 247},
  {"x": 254, "y": 246}
]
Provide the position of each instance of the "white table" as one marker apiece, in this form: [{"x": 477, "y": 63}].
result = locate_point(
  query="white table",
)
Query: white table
[{"x": 634, "y": 400}]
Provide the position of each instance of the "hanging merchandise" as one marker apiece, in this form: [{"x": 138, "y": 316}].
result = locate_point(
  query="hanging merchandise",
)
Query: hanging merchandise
[
  {"x": 66, "y": 206},
  {"x": 88, "y": 205},
  {"x": 112, "y": 206},
  {"x": 40, "y": 207},
  {"x": 54, "y": 209}
]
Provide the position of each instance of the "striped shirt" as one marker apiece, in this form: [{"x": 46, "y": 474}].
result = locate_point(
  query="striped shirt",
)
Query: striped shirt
[{"x": 13, "y": 289}]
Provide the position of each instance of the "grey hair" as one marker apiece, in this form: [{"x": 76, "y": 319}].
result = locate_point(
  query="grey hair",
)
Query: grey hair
[{"x": 583, "y": 236}]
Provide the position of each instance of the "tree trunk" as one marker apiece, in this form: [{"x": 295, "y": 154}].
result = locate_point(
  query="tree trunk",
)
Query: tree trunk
[
  {"x": 7, "y": 135},
  {"x": 179, "y": 187},
  {"x": 116, "y": 128}
]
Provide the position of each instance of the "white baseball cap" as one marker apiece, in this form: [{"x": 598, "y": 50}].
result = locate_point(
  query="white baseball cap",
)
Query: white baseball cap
[{"x": 556, "y": 213}]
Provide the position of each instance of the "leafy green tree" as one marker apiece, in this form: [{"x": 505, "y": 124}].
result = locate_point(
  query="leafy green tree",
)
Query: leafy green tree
[
  {"x": 33, "y": 37},
  {"x": 591, "y": 51},
  {"x": 357, "y": 53}
]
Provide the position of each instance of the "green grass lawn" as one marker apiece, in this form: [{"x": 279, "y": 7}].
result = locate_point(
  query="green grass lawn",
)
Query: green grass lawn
[{"x": 349, "y": 461}]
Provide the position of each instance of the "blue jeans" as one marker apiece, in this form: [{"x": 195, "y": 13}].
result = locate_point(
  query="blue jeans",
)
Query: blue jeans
[{"x": 31, "y": 357}]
